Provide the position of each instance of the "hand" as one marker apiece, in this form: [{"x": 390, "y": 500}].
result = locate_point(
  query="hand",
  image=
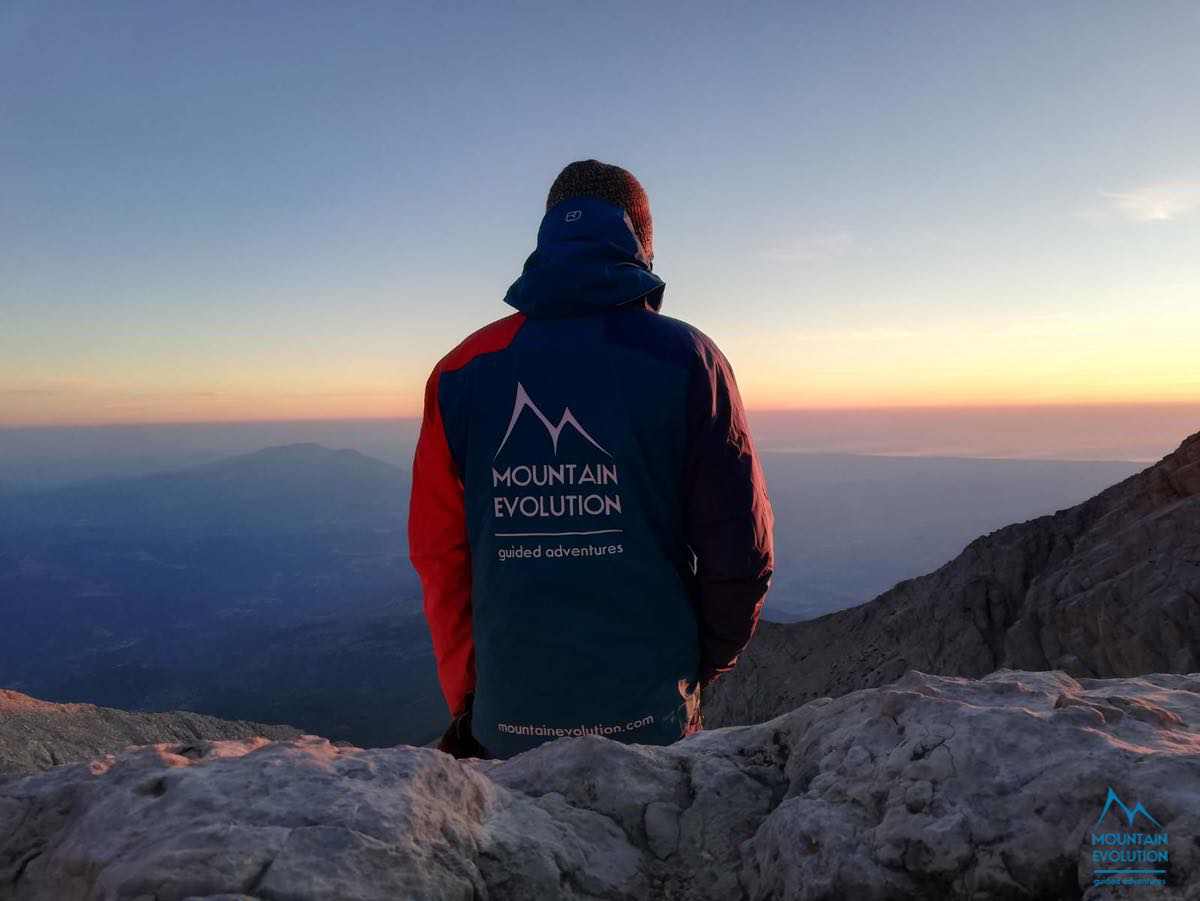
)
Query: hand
[
  {"x": 689, "y": 690},
  {"x": 458, "y": 741}
]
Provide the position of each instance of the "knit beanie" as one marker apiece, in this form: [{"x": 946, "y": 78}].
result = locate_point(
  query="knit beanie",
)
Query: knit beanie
[{"x": 592, "y": 178}]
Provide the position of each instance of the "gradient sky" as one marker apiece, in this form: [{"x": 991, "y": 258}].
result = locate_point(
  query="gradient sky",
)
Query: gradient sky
[{"x": 228, "y": 211}]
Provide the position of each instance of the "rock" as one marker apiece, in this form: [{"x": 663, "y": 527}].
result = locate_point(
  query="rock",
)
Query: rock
[
  {"x": 1110, "y": 587},
  {"x": 931, "y": 787},
  {"x": 918, "y": 795},
  {"x": 662, "y": 828},
  {"x": 36, "y": 734}
]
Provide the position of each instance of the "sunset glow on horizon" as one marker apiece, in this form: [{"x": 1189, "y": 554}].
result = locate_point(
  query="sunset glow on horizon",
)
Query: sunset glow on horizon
[{"x": 1119, "y": 359}]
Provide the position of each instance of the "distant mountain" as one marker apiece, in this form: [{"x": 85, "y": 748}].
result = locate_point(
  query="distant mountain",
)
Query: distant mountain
[
  {"x": 1110, "y": 587},
  {"x": 54, "y": 456},
  {"x": 269, "y": 586},
  {"x": 288, "y": 488},
  {"x": 35, "y": 735}
]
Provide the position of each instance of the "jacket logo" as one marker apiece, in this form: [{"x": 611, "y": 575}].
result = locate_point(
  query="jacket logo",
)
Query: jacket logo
[
  {"x": 573, "y": 215},
  {"x": 523, "y": 402},
  {"x": 1130, "y": 812}
]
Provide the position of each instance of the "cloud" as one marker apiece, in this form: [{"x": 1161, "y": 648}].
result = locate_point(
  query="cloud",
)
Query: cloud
[
  {"x": 1158, "y": 202},
  {"x": 812, "y": 248}
]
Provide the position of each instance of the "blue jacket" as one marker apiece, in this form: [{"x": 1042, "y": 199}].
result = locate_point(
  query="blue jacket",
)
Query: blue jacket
[{"x": 589, "y": 518}]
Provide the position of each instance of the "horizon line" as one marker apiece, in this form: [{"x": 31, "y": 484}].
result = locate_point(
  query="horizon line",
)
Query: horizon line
[{"x": 860, "y": 408}]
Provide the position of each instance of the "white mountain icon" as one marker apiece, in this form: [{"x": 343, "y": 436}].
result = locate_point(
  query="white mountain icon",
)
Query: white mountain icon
[{"x": 523, "y": 402}]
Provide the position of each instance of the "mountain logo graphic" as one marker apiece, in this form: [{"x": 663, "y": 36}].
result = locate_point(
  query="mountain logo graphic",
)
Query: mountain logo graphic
[
  {"x": 523, "y": 402},
  {"x": 1130, "y": 812}
]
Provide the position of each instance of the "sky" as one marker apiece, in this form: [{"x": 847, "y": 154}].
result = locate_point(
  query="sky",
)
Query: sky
[{"x": 220, "y": 212}]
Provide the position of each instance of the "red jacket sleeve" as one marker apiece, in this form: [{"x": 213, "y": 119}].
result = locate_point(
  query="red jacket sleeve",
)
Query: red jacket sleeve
[
  {"x": 440, "y": 553},
  {"x": 437, "y": 524}
]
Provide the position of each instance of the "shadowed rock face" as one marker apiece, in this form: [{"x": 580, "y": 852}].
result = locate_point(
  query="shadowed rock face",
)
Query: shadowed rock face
[
  {"x": 1110, "y": 587},
  {"x": 932, "y": 787},
  {"x": 35, "y": 734}
]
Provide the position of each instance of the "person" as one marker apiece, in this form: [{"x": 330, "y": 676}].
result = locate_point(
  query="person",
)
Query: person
[{"x": 589, "y": 519}]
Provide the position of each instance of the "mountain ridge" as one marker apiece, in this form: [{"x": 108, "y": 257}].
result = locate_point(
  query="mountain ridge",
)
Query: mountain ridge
[
  {"x": 36, "y": 734},
  {"x": 1109, "y": 587},
  {"x": 298, "y": 453}
]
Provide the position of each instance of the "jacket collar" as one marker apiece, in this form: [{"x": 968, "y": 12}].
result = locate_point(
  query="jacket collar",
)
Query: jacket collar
[{"x": 588, "y": 259}]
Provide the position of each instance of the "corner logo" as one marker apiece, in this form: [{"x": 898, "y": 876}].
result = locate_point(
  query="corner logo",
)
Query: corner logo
[
  {"x": 1130, "y": 812},
  {"x": 1137, "y": 854},
  {"x": 523, "y": 402}
]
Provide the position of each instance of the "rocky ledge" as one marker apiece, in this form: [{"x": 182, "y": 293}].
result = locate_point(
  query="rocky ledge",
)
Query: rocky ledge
[
  {"x": 930, "y": 787},
  {"x": 36, "y": 734}
]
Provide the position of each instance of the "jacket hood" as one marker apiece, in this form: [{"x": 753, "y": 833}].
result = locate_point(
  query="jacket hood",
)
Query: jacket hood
[{"x": 588, "y": 259}]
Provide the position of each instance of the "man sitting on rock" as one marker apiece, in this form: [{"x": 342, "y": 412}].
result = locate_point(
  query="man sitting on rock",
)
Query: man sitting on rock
[{"x": 589, "y": 519}]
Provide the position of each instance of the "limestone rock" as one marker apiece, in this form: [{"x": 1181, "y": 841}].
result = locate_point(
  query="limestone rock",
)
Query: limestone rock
[{"x": 932, "y": 787}]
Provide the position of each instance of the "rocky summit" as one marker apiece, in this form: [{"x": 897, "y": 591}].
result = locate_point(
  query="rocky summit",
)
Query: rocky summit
[
  {"x": 1110, "y": 587},
  {"x": 931, "y": 787}
]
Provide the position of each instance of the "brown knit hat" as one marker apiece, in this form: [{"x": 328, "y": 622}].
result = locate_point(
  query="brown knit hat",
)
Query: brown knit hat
[{"x": 592, "y": 178}]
